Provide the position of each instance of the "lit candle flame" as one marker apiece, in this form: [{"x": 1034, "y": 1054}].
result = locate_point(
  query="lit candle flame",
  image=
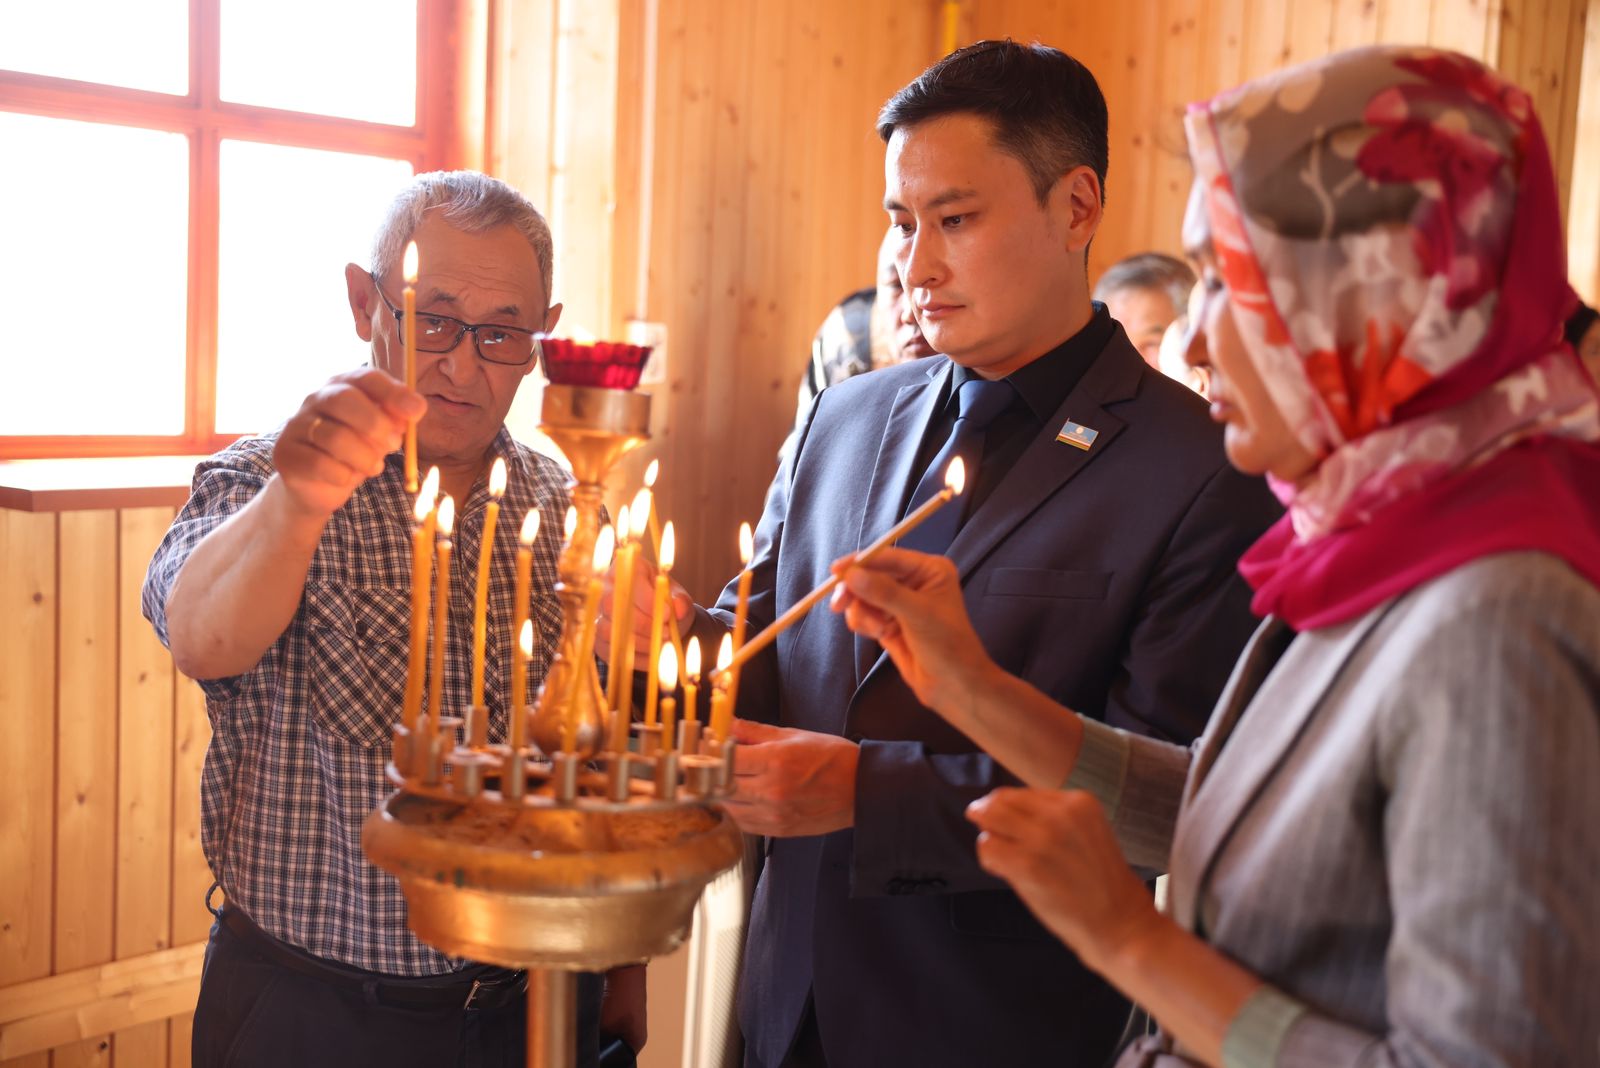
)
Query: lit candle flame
[
  {"x": 691, "y": 660},
  {"x": 424, "y": 504},
  {"x": 530, "y": 528},
  {"x": 955, "y": 476},
  {"x": 669, "y": 545},
  {"x": 651, "y": 473},
  {"x": 603, "y": 547},
  {"x": 571, "y": 523},
  {"x": 747, "y": 544},
  {"x": 667, "y": 669},
  {"x": 724, "y": 656},
  {"x": 525, "y": 639},
  {"x": 409, "y": 265},
  {"x": 497, "y": 478},
  {"x": 447, "y": 515},
  {"x": 624, "y": 527},
  {"x": 639, "y": 511}
]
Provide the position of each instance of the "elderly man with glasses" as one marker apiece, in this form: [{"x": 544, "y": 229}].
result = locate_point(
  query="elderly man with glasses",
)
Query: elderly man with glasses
[{"x": 283, "y": 586}]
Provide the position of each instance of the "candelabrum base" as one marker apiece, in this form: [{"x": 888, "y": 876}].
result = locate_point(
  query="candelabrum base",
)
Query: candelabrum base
[{"x": 547, "y": 885}]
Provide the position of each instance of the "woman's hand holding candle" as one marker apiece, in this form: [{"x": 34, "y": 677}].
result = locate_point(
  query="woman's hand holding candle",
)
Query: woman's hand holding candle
[{"x": 955, "y": 481}]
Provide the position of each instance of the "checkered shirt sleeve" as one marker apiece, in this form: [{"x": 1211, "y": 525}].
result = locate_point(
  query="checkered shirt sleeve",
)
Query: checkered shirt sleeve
[{"x": 300, "y": 741}]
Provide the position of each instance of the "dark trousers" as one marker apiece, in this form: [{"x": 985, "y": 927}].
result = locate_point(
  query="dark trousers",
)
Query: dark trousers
[{"x": 256, "y": 1012}]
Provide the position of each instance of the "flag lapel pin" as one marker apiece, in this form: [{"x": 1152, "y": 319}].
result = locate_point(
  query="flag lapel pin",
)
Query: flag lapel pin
[{"x": 1077, "y": 435}]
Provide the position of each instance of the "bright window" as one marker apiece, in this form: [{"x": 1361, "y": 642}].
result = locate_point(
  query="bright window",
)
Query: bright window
[{"x": 181, "y": 198}]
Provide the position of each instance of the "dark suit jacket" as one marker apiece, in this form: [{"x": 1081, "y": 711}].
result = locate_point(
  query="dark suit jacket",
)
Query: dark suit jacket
[{"x": 1104, "y": 577}]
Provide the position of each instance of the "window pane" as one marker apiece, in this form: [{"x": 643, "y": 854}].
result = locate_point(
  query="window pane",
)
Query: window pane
[
  {"x": 93, "y": 278},
  {"x": 356, "y": 59},
  {"x": 141, "y": 44},
  {"x": 291, "y": 218}
]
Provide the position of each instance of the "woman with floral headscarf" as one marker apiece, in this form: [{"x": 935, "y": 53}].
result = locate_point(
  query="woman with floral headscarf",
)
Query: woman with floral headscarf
[{"x": 1386, "y": 847}]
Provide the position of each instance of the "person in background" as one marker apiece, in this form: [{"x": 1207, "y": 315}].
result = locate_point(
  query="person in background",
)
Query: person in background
[
  {"x": 871, "y": 328},
  {"x": 1384, "y": 849},
  {"x": 1146, "y": 293},
  {"x": 283, "y": 586},
  {"x": 1582, "y": 331}
]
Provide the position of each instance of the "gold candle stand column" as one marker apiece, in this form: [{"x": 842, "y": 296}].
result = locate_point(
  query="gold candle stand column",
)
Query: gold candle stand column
[{"x": 594, "y": 428}]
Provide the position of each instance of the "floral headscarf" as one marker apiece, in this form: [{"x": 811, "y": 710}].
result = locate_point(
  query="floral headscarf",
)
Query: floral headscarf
[{"x": 1386, "y": 222}]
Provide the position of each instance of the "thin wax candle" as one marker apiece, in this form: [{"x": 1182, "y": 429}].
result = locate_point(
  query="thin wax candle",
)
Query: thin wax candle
[
  {"x": 480, "y": 606},
  {"x": 408, "y": 308},
  {"x": 691, "y": 679},
  {"x": 742, "y": 606},
  {"x": 667, "y": 678},
  {"x": 621, "y": 612},
  {"x": 658, "y": 609},
  {"x": 521, "y": 626},
  {"x": 421, "y": 574},
  {"x": 441, "y": 611}
]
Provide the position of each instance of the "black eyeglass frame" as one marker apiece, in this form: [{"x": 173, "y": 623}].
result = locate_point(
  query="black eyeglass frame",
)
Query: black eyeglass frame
[{"x": 463, "y": 329}]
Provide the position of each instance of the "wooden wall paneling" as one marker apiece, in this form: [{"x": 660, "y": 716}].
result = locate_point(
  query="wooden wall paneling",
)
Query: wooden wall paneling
[
  {"x": 1403, "y": 22},
  {"x": 1265, "y": 42},
  {"x": 191, "y": 875},
  {"x": 86, "y": 756},
  {"x": 1567, "y": 59},
  {"x": 1471, "y": 27},
  {"x": 584, "y": 162},
  {"x": 1309, "y": 32},
  {"x": 27, "y": 759},
  {"x": 1222, "y": 63},
  {"x": 1583, "y": 212},
  {"x": 144, "y": 781},
  {"x": 687, "y": 300},
  {"x": 735, "y": 405},
  {"x": 1355, "y": 23},
  {"x": 1170, "y": 174},
  {"x": 522, "y": 97}
]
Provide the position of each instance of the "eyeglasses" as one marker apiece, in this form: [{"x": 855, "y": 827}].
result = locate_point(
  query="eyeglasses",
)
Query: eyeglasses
[{"x": 509, "y": 345}]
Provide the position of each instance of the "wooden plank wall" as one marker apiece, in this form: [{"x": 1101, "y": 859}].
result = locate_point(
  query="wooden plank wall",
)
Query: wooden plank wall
[
  {"x": 1200, "y": 47},
  {"x": 743, "y": 169},
  {"x": 99, "y": 801}
]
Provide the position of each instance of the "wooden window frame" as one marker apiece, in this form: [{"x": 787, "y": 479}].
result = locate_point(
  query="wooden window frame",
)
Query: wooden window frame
[{"x": 438, "y": 138}]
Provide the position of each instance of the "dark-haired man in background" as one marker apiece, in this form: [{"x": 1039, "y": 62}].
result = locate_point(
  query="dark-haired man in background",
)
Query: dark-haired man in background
[{"x": 1096, "y": 546}]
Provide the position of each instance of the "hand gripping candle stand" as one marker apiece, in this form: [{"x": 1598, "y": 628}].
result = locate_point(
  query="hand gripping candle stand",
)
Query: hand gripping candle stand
[{"x": 573, "y": 853}]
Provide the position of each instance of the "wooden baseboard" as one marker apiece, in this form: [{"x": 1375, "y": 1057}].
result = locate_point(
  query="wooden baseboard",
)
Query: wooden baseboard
[{"x": 45, "y": 1013}]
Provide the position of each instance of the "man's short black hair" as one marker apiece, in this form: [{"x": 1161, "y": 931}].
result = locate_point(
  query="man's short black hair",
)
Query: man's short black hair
[{"x": 1046, "y": 107}]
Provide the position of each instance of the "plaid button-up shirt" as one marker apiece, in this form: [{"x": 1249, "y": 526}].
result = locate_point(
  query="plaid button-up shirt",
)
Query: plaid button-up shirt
[{"x": 300, "y": 741}]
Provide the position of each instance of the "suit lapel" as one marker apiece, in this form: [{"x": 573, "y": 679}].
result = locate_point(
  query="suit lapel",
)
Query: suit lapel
[
  {"x": 894, "y": 472},
  {"x": 1044, "y": 467},
  {"x": 1224, "y": 782}
]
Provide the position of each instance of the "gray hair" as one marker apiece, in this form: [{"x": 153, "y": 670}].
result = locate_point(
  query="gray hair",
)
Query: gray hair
[
  {"x": 469, "y": 201},
  {"x": 1148, "y": 270}
]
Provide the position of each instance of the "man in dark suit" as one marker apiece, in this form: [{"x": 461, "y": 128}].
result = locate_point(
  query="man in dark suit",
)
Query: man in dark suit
[{"x": 1101, "y": 526}]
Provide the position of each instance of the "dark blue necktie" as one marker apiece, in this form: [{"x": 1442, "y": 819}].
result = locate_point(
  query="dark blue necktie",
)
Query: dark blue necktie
[{"x": 981, "y": 401}]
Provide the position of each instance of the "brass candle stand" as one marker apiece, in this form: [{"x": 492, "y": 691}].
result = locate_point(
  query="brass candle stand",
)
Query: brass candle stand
[{"x": 558, "y": 858}]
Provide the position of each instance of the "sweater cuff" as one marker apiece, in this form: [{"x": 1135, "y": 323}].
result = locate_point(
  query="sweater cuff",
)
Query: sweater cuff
[
  {"x": 1257, "y": 1033},
  {"x": 1102, "y": 765}
]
